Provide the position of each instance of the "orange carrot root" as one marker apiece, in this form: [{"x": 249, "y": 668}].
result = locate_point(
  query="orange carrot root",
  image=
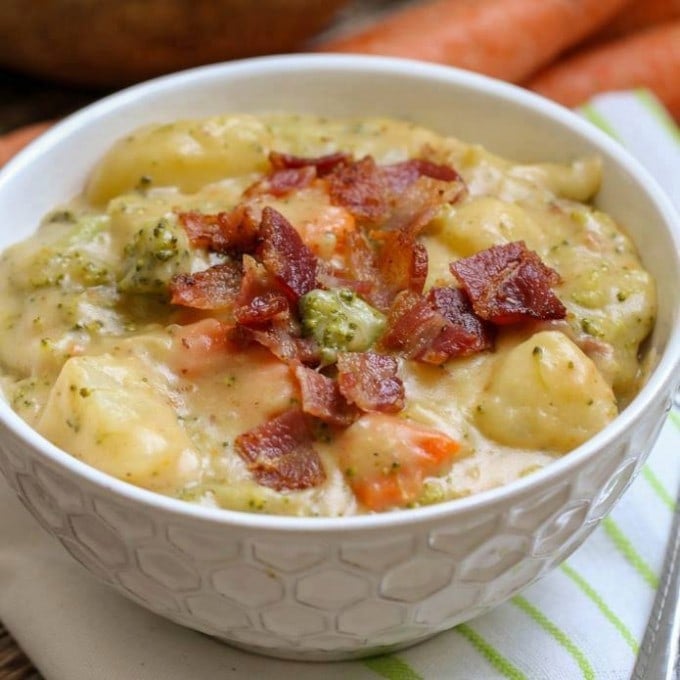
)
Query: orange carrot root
[
  {"x": 638, "y": 15},
  {"x": 508, "y": 39},
  {"x": 649, "y": 59},
  {"x": 12, "y": 142}
]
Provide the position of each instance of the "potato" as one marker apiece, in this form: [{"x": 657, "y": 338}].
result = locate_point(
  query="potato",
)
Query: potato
[
  {"x": 103, "y": 412},
  {"x": 185, "y": 154},
  {"x": 486, "y": 221},
  {"x": 545, "y": 394}
]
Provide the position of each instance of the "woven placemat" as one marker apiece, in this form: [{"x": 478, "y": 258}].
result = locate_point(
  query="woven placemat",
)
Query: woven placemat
[{"x": 14, "y": 664}]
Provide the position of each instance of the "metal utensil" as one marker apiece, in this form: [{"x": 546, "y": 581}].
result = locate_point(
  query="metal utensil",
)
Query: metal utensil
[{"x": 660, "y": 649}]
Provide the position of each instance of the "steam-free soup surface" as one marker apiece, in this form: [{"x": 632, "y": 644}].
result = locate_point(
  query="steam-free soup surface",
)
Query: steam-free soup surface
[{"x": 106, "y": 352}]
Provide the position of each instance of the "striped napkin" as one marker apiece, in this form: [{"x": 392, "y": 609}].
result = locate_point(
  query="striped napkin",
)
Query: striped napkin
[{"x": 584, "y": 620}]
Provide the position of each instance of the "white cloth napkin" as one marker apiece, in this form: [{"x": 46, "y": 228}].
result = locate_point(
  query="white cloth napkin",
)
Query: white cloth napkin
[{"x": 586, "y": 619}]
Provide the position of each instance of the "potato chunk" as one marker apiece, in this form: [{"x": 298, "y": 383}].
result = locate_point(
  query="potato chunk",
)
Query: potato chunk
[
  {"x": 103, "y": 411},
  {"x": 485, "y": 221},
  {"x": 186, "y": 154},
  {"x": 545, "y": 393}
]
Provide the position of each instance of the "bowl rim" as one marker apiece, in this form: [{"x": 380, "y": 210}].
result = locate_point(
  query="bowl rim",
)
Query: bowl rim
[{"x": 664, "y": 376}]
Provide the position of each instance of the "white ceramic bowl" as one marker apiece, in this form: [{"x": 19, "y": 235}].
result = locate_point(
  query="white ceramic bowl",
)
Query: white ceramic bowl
[{"x": 338, "y": 588}]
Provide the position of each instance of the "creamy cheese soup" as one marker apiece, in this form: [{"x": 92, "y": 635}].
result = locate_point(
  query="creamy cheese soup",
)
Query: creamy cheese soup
[{"x": 296, "y": 315}]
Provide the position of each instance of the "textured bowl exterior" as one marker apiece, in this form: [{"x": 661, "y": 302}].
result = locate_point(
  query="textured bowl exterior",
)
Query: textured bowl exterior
[
  {"x": 321, "y": 594},
  {"x": 322, "y": 589}
]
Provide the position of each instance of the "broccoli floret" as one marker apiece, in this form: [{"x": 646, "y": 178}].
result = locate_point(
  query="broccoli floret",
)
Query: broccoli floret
[
  {"x": 155, "y": 254},
  {"x": 339, "y": 320}
]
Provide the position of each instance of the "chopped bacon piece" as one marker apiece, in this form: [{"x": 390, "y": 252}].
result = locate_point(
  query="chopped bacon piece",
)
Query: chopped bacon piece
[
  {"x": 402, "y": 262},
  {"x": 361, "y": 188},
  {"x": 416, "y": 205},
  {"x": 281, "y": 182},
  {"x": 401, "y": 175},
  {"x": 435, "y": 328},
  {"x": 276, "y": 338},
  {"x": 371, "y": 192},
  {"x": 323, "y": 164},
  {"x": 413, "y": 325},
  {"x": 327, "y": 277},
  {"x": 508, "y": 284},
  {"x": 370, "y": 381},
  {"x": 262, "y": 308},
  {"x": 224, "y": 232},
  {"x": 464, "y": 334},
  {"x": 285, "y": 255},
  {"x": 280, "y": 455},
  {"x": 260, "y": 298},
  {"x": 214, "y": 288},
  {"x": 321, "y": 397},
  {"x": 280, "y": 337}
]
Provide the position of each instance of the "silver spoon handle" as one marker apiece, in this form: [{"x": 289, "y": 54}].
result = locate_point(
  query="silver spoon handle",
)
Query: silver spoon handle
[{"x": 658, "y": 656}]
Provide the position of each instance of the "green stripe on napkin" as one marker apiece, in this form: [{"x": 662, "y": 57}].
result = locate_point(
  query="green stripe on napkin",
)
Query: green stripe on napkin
[
  {"x": 557, "y": 633},
  {"x": 391, "y": 667},
  {"x": 490, "y": 653},
  {"x": 599, "y": 602},
  {"x": 625, "y": 547},
  {"x": 658, "y": 487}
]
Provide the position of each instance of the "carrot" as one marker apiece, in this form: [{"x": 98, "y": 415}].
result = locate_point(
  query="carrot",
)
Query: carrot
[
  {"x": 649, "y": 59},
  {"x": 323, "y": 226},
  {"x": 636, "y": 16},
  {"x": 386, "y": 459},
  {"x": 12, "y": 142},
  {"x": 508, "y": 39}
]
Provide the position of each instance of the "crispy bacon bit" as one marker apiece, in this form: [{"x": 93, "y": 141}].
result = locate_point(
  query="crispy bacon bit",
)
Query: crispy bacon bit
[
  {"x": 402, "y": 262},
  {"x": 214, "y": 288},
  {"x": 260, "y": 299},
  {"x": 464, "y": 334},
  {"x": 282, "y": 182},
  {"x": 435, "y": 328},
  {"x": 361, "y": 188},
  {"x": 370, "y": 381},
  {"x": 322, "y": 398},
  {"x": 416, "y": 205},
  {"x": 224, "y": 232},
  {"x": 372, "y": 192},
  {"x": 281, "y": 338},
  {"x": 508, "y": 284},
  {"x": 401, "y": 175},
  {"x": 277, "y": 339},
  {"x": 285, "y": 255},
  {"x": 280, "y": 455},
  {"x": 261, "y": 308},
  {"x": 323, "y": 164},
  {"x": 413, "y": 325}
]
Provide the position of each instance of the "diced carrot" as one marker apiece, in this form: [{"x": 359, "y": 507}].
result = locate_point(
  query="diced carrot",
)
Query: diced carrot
[
  {"x": 649, "y": 59},
  {"x": 386, "y": 459},
  {"x": 200, "y": 347},
  {"x": 322, "y": 226},
  {"x": 508, "y": 39},
  {"x": 327, "y": 232}
]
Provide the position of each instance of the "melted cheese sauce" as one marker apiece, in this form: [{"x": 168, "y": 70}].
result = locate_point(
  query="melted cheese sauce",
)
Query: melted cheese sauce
[{"x": 94, "y": 358}]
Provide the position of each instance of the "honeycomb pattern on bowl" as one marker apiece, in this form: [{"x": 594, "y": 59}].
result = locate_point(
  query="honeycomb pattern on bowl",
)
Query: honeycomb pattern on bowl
[{"x": 314, "y": 595}]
